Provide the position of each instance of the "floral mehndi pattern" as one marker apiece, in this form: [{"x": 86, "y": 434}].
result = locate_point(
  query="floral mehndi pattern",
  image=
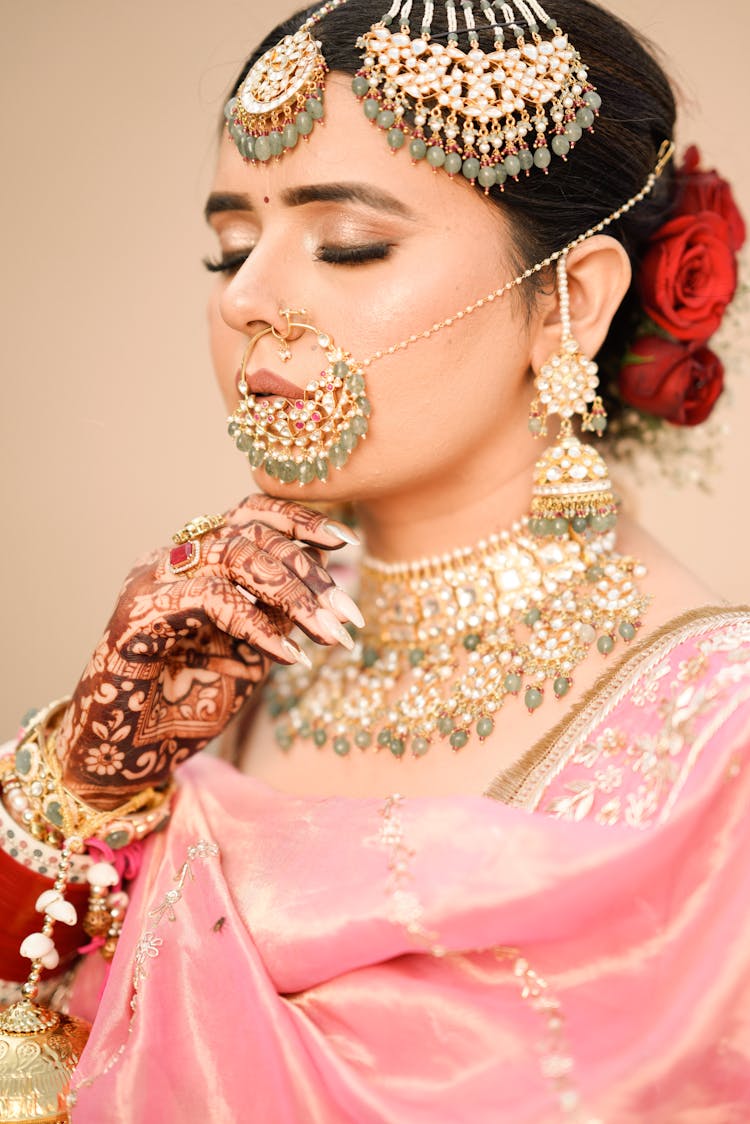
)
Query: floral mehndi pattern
[
  {"x": 182, "y": 652},
  {"x": 622, "y": 773}
]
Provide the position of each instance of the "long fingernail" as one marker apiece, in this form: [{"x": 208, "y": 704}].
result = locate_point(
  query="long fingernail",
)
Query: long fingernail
[
  {"x": 332, "y": 629},
  {"x": 342, "y": 532},
  {"x": 297, "y": 653},
  {"x": 342, "y": 604}
]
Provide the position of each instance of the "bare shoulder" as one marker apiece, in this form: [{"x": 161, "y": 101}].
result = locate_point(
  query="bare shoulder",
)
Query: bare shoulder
[{"x": 674, "y": 588}]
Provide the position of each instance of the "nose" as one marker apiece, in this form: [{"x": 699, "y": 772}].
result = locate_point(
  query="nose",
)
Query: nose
[{"x": 254, "y": 297}]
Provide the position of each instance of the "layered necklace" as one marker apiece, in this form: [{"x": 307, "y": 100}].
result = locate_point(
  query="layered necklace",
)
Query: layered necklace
[{"x": 450, "y": 640}]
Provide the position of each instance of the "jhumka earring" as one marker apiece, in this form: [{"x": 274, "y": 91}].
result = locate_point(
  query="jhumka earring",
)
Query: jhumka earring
[
  {"x": 484, "y": 114},
  {"x": 572, "y": 490},
  {"x": 281, "y": 97},
  {"x": 299, "y": 439}
]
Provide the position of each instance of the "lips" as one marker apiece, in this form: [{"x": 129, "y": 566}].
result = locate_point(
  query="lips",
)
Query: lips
[{"x": 264, "y": 382}]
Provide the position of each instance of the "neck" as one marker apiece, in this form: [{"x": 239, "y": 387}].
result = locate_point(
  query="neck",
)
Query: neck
[{"x": 465, "y": 505}]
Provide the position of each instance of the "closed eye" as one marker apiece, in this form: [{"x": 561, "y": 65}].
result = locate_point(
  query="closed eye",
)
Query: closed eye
[
  {"x": 354, "y": 255},
  {"x": 227, "y": 263}
]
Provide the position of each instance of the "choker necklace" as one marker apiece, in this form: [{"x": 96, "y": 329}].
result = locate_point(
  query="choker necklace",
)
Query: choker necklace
[{"x": 450, "y": 640}]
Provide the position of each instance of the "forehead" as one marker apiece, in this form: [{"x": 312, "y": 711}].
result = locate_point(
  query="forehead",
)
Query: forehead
[{"x": 346, "y": 147}]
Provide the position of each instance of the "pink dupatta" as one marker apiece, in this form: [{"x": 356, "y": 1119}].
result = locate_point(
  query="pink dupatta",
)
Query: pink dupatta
[{"x": 457, "y": 959}]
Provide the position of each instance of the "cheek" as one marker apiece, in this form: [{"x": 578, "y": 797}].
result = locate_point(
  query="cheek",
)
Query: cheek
[{"x": 224, "y": 343}]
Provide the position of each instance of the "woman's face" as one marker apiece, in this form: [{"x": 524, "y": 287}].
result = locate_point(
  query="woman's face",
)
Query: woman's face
[{"x": 374, "y": 249}]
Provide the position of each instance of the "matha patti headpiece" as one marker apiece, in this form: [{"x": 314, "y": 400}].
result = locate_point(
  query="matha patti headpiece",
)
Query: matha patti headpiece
[
  {"x": 281, "y": 97},
  {"x": 485, "y": 114}
]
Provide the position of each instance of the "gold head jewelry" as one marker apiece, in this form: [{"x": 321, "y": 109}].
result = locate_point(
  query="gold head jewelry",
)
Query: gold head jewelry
[
  {"x": 482, "y": 114},
  {"x": 281, "y": 97},
  {"x": 572, "y": 489},
  {"x": 301, "y": 438}
]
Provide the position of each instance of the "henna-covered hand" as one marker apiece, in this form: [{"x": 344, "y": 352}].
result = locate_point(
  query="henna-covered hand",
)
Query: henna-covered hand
[{"x": 182, "y": 652}]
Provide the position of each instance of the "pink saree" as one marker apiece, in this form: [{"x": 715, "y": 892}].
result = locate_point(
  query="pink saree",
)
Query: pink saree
[{"x": 577, "y": 948}]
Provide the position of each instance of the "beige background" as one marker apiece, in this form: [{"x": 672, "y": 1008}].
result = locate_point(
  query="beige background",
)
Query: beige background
[{"x": 112, "y": 431}]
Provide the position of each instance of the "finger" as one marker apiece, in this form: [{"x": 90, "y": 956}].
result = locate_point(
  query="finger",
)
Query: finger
[{"x": 293, "y": 520}]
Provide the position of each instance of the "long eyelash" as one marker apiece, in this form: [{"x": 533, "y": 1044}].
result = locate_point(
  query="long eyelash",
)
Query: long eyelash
[
  {"x": 228, "y": 263},
  {"x": 354, "y": 255}
]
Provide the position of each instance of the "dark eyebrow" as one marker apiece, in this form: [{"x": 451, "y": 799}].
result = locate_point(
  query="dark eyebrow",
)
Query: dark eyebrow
[{"x": 363, "y": 193}]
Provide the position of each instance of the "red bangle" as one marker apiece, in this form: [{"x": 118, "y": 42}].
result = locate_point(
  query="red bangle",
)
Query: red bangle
[{"x": 19, "y": 890}]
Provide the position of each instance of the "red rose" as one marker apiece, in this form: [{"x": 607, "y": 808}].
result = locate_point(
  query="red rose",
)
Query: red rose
[
  {"x": 673, "y": 381},
  {"x": 707, "y": 191},
  {"x": 689, "y": 276}
]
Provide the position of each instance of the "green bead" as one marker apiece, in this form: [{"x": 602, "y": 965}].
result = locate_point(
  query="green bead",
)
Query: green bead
[
  {"x": 321, "y": 467},
  {"x": 246, "y": 145},
  {"x": 512, "y": 683},
  {"x": 364, "y": 406},
  {"x": 560, "y": 145},
  {"x": 229, "y": 108},
  {"x": 487, "y": 177},
  {"x": 369, "y": 657},
  {"x": 305, "y": 729},
  {"x": 315, "y": 108},
  {"x": 592, "y": 99},
  {"x": 355, "y": 383},
  {"x": 485, "y": 726},
  {"x": 304, "y": 123},
  {"x": 338, "y": 456},
  {"x": 283, "y": 737},
  {"x": 319, "y": 737},
  {"x": 275, "y": 707},
  {"x": 340, "y": 369},
  {"x": 470, "y": 168},
  {"x": 288, "y": 472},
  {"x": 359, "y": 426},
  {"x": 599, "y": 523},
  {"x": 626, "y": 630},
  {"x": 244, "y": 442},
  {"x": 233, "y": 428},
  {"x": 512, "y": 165},
  {"x": 23, "y": 761},
  {"x": 396, "y": 138},
  {"x": 290, "y": 136},
  {"x": 397, "y": 747},
  {"x": 362, "y": 739},
  {"x": 360, "y": 86},
  {"x": 417, "y": 149},
  {"x": 306, "y": 472},
  {"x": 599, "y": 424},
  {"x": 573, "y": 132},
  {"x": 276, "y": 142},
  {"x": 611, "y": 520},
  {"x": 416, "y": 655},
  {"x": 384, "y": 737},
  {"x": 371, "y": 108},
  {"x": 579, "y": 524},
  {"x": 546, "y": 527},
  {"x": 385, "y": 118},
  {"x": 526, "y": 158},
  {"x": 605, "y": 644},
  {"x": 501, "y": 174},
  {"x": 453, "y": 163},
  {"x": 256, "y": 455},
  {"x": 542, "y": 157},
  {"x": 531, "y": 617},
  {"x": 594, "y": 574},
  {"x": 561, "y": 686},
  {"x": 533, "y": 698},
  {"x": 585, "y": 117},
  {"x": 341, "y": 746},
  {"x": 560, "y": 527},
  {"x": 271, "y": 466},
  {"x": 348, "y": 440},
  {"x": 471, "y": 642},
  {"x": 536, "y": 425},
  {"x": 236, "y": 132},
  {"x": 53, "y": 812},
  {"x": 117, "y": 839},
  {"x": 419, "y": 746},
  {"x": 263, "y": 149},
  {"x": 435, "y": 156},
  {"x": 445, "y": 725},
  {"x": 458, "y": 739}
]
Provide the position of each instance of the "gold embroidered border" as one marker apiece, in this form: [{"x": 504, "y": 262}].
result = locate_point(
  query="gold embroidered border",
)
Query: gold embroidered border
[{"x": 522, "y": 784}]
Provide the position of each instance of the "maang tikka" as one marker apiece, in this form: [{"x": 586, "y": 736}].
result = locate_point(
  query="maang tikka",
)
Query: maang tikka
[{"x": 484, "y": 114}]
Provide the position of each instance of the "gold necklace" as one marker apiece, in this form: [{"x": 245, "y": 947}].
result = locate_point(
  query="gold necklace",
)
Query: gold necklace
[{"x": 450, "y": 639}]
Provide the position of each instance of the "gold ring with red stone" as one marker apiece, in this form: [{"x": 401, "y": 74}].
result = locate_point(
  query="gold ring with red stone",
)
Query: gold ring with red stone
[{"x": 186, "y": 555}]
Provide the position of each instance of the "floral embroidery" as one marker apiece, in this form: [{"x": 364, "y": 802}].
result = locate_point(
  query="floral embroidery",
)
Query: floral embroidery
[
  {"x": 148, "y": 947},
  {"x": 202, "y": 850},
  {"x": 647, "y": 691},
  {"x": 405, "y": 907}
]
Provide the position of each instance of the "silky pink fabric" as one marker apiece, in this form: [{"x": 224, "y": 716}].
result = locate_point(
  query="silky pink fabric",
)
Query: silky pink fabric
[{"x": 450, "y": 959}]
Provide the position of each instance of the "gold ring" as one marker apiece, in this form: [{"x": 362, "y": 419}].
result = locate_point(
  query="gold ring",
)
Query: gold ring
[
  {"x": 198, "y": 527},
  {"x": 186, "y": 554}
]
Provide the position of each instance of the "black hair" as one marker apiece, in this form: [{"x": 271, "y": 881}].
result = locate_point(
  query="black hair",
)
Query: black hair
[{"x": 607, "y": 167}]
